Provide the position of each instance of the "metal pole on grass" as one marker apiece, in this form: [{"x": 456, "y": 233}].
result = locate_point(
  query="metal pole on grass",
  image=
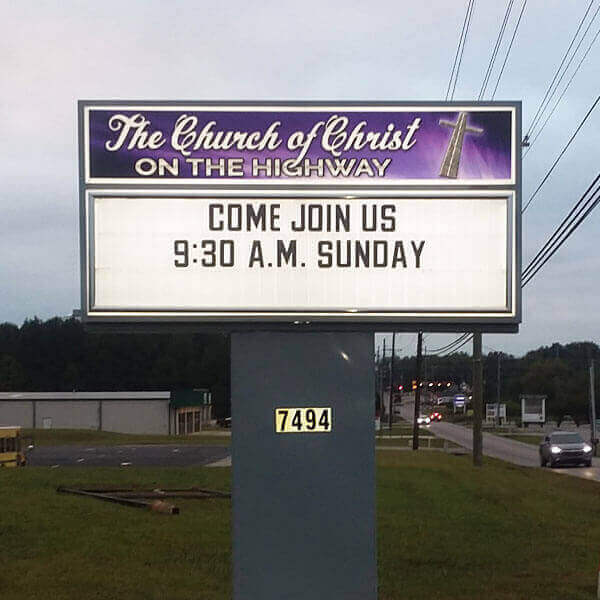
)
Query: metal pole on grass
[
  {"x": 593, "y": 406},
  {"x": 382, "y": 380},
  {"x": 392, "y": 382},
  {"x": 477, "y": 400},
  {"x": 498, "y": 390},
  {"x": 415, "y": 441}
]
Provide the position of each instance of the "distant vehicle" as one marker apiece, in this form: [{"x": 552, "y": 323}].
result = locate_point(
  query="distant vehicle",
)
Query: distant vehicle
[
  {"x": 13, "y": 448},
  {"x": 423, "y": 420},
  {"x": 226, "y": 423},
  {"x": 562, "y": 448},
  {"x": 435, "y": 416}
]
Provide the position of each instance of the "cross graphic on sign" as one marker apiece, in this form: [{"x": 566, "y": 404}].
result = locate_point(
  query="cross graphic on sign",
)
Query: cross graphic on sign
[{"x": 451, "y": 160}]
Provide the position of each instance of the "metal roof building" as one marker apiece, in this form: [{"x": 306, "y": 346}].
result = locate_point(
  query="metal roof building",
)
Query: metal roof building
[{"x": 158, "y": 412}]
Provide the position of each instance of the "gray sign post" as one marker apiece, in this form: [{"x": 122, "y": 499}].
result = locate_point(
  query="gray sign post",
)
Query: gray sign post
[{"x": 303, "y": 500}]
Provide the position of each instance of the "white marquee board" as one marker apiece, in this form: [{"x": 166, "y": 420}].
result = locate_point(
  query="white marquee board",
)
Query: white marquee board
[{"x": 378, "y": 252}]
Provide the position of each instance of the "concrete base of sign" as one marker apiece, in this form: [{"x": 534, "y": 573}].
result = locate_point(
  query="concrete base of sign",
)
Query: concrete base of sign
[{"x": 303, "y": 499}]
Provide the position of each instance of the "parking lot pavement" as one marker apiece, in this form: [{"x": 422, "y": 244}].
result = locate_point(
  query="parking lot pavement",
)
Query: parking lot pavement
[{"x": 137, "y": 456}]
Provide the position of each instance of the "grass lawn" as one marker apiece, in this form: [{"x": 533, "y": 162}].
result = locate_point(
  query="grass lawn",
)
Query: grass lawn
[
  {"x": 423, "y": 443},
  {"x": 85, "y": 437},
  {"x": 387, "y": 438},
  {"x": 400, "y": 429},
  {"x": 445, "y": 531}
]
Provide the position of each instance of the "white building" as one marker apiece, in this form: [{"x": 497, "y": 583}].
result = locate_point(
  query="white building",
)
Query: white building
[{"x": 177, "y": 413}]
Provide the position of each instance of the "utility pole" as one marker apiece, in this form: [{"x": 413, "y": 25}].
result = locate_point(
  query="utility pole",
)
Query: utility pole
[
  {"x": 593, "y": 405},
  {"x": 382, "y": 381},
  {"x": 497, "y": 419},
  {"x": 377, "y": 375},
  {"x": 377, "y": 371},
  {"x": 477, "y": 400},
  {"x": 392, "y": 381},
  {"x": 415, "y": 445}
]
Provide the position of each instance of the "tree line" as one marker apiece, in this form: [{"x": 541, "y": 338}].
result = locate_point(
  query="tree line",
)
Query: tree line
[
  {"x": 560, "y": 372},
  {"x": 60, "y": 355}
]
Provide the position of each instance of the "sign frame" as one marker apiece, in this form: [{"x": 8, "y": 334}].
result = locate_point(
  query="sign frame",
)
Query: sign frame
[{"x": 506, "y": 321}]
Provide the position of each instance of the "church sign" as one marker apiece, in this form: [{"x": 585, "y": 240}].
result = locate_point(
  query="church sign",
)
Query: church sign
[
  {"x": 340, "y": 145},
  {"x": 283, "y": 212}
]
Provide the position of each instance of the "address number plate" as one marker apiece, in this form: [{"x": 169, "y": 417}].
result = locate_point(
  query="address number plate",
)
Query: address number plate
[{"x": 302, "y": 420}]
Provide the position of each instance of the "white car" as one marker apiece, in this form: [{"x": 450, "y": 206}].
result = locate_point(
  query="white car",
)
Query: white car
[{"x": 562, "y": 448}]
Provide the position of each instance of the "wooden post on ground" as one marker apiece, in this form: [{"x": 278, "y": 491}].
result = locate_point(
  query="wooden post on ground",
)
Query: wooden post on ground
[
  {"x": 415, "y": 441},
  {"x": 391, "y": 415},
  {"x": 477, "y": 400}
]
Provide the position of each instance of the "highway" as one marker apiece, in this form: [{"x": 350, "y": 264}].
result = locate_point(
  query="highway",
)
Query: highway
[{"x": 495, "y": 446}]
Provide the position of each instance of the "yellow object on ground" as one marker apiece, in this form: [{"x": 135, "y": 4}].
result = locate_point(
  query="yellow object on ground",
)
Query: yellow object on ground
[{"x": 12, "y": 453}]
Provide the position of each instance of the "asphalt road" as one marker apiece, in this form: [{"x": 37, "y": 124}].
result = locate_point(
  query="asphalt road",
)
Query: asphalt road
[
  {"x": 136, "y": 456},
  {"x": 519, "y": 453}
]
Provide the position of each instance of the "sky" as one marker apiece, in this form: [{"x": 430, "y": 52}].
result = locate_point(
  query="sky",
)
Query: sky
[{"x": 54, "y": 53}]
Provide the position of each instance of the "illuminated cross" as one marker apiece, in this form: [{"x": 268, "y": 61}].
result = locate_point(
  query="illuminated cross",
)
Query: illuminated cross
[{"x": 451, "y": 160}]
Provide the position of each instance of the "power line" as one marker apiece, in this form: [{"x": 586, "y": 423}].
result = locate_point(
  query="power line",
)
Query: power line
[
  {"x": 459, "y": 342},
  {"x": 542, "y": 104},
  {"x": 454, "y": 74},
  {"x": 565, "y": 238},
  {"x": 537, "y": 135},
  {"x": 577, "y": 215},
  {"x": 460, "y": 39},
  {"x": 466, "y": 337},
  {"x": 490, "y": 67},
  {"x": 539, "y": 187},
  {"x": 466, "y": 341},
  {"x": 564, "y": 71},
  {"x": 569, "y": 225},
  {"x": 460, "y": 49},
  {"x": 557, "y": 231},
  {"x": 509, "y": 48},
  {"x": 580, "y": 211},
  {"x": 447, "y": 346}
]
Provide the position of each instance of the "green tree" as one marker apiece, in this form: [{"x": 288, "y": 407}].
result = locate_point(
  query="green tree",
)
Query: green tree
[{"x": 11, "y": 374}]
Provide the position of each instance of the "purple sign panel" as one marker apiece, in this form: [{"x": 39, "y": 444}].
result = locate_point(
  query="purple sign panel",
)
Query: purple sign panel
[{"x": 299, "y": 144}]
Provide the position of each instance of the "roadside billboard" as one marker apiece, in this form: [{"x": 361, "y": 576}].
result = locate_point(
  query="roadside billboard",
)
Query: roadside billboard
[
  {"x": 289, "y": 212},
  {"x": 533, "y": 409},
  {"x": 495, "y": 411}
]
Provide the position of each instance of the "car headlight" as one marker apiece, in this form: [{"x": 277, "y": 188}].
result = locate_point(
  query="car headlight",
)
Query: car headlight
[
  {"x": 587, "y": 448},
  {"x": 555, "y": 450}
]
